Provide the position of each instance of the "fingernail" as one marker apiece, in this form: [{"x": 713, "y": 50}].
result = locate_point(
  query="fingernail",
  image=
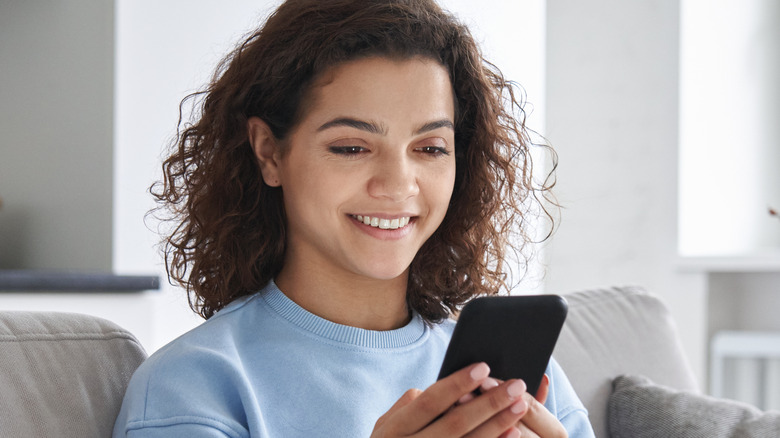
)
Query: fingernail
[
  {"x": 514, "y": 433},
  {"x": 516, "y": 389},
  {"x": 518, "y": 407},
  {"x": 489, "y": 384},
  {"x": 480, "y": 371},
  {"x": 466, "y": 398}
]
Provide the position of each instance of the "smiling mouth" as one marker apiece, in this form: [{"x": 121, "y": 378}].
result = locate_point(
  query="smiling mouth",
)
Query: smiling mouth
[{"x": 383, "y": 224}]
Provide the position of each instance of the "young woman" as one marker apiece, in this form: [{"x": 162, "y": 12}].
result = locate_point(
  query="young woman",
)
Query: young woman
[{"x": 350, "y": 182}]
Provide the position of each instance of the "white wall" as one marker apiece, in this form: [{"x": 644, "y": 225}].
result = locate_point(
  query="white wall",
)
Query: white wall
[
  {"x": 729, "y": 160},
  {"x": 730, "y": 135},
  {"x": 164, "y": 51},
  {"x": 612, "y": 115},
  {"x": 664, "y": 113},
  {"x": 514, "y": 40}
]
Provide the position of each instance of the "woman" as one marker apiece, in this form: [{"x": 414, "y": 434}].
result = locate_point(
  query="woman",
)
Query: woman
[{"x": 350, "y": 183}]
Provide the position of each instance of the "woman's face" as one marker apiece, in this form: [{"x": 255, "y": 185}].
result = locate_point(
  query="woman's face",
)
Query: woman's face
[{"x": 367, "y": 175}]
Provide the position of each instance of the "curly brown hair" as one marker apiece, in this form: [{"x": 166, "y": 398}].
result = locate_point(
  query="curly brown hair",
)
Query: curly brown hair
[{"x": 229, "y": 234}]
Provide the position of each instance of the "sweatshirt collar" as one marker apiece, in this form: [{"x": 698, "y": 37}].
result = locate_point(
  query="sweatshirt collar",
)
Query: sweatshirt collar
[{"x": 297, "y": 315}]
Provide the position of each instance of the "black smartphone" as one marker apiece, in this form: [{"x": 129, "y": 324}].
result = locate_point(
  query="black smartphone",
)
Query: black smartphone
[{"x": 514, "y": 335}]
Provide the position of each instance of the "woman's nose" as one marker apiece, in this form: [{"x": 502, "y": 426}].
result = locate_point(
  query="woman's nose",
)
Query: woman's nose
[{"x": 393, "y": 178}]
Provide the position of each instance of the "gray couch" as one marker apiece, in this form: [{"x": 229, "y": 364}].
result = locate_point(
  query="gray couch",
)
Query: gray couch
[
  {"x": 64, "y": 375},
  {"x": 614, "y": 332},
  {"x": 622, "y": 354}
]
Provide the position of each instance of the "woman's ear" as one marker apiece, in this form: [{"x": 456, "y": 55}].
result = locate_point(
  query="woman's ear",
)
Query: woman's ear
[{"x": 266, "y": 149}]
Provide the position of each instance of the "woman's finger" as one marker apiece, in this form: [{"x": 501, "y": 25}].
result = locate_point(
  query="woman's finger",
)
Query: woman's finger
[
  {"x": 489, "y": 414},
  {"x": 512, "y": 433},
  {"x": 489, "y": 384},
  {"x": 504, "y": 424},
  {"x": 541, "y": 421},
  {"x": 525, "y": 432},
  {"x": 438, "y": 398},
  {"x": 405, "y": 399},
  {"x": 544, "y": 389}
]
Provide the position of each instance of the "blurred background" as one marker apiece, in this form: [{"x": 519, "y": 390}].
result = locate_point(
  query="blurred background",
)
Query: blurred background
[{"x": 665, "y": 115}]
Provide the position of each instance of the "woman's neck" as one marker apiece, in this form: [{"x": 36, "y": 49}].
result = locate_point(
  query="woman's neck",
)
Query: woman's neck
[{"x": 358, "y": 302}]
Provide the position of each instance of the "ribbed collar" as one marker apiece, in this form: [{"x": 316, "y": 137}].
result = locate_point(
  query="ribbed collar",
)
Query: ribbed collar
[{"x": 297, "y": 315}]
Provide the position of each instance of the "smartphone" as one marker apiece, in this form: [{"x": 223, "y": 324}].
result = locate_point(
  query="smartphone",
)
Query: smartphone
[{"x": 514, "y": 335}]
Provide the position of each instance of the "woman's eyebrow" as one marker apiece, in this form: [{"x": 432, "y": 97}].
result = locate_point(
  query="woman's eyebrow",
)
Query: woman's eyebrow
[
  {"x": 375, "y": 128},
  {"x": 432, "y": 126},
  {"x": 371, "y": 127}
]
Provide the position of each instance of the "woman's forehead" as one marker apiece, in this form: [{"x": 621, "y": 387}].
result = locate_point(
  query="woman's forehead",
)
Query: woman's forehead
[{"x": 382, "y": 85}]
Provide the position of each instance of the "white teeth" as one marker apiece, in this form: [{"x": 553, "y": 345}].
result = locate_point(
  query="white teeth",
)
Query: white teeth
[{"x": 384, "y": 224}]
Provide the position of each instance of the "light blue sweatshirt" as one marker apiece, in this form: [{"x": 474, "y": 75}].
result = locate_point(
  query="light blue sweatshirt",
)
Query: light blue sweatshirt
[{"x": 265, "y": 367}]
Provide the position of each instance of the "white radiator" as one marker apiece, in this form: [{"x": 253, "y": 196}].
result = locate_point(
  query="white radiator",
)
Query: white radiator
[{"x": 745, "y": 366}]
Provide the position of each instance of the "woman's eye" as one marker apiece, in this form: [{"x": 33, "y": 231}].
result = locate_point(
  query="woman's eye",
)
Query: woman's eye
[
  {"x": 433, "y": 150},
  {"x": 347, "y": 150}
]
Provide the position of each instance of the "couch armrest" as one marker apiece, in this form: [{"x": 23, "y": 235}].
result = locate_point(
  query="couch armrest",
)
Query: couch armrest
[
  {"x": 63, "y": 374},
  {"x": 615, "y": 331}
]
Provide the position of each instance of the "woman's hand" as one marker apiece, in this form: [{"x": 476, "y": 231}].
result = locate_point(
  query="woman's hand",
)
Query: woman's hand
[
  {"x": 538, "y": 421},
  {"x": 436, "y": 412}
]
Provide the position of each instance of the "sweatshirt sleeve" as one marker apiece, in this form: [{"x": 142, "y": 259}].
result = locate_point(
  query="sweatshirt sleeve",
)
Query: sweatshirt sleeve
[
  {"x": 180, "y": 428},
  {"x": 563, "y": 402},
  {"x": 168, "y": 397}
]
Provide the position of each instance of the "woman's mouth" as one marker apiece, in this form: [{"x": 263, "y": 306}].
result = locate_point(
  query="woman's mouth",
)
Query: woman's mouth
[{"x": 383, "y": 224}]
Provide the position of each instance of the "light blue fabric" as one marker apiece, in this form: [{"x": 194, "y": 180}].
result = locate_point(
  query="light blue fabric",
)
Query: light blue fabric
[{"x": 265, "y": 367}]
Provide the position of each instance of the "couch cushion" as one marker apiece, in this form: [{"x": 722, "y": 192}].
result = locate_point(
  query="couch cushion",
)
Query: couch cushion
[
  {"x": 639, "y": 408},
  {"x": 610, "y": 332},
  {"x": 62, "y": 374}
]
